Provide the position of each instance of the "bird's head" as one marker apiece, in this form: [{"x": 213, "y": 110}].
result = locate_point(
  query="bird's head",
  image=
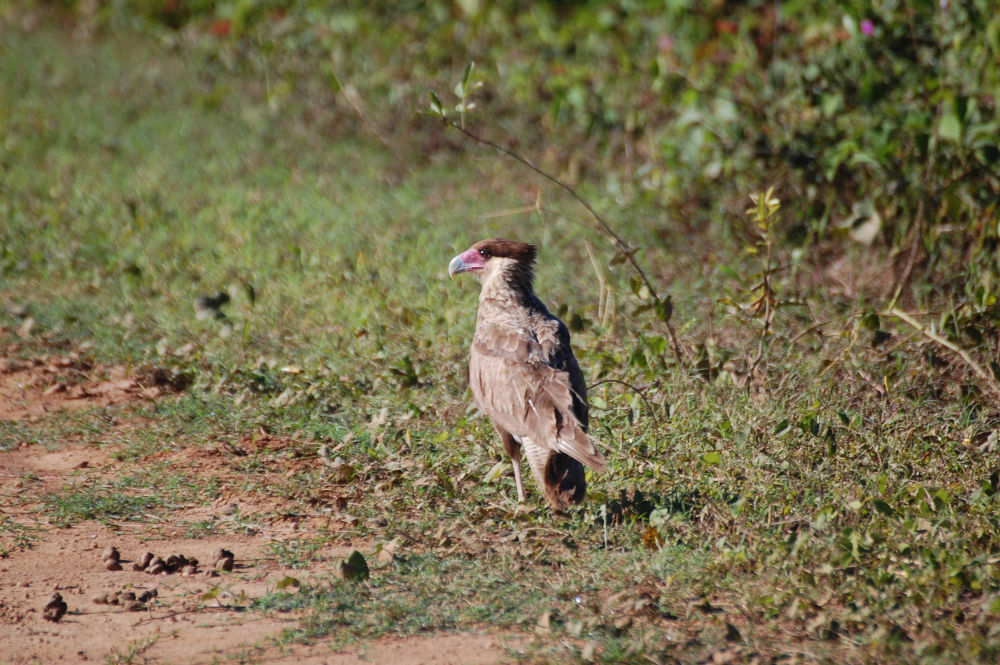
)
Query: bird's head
[{"x": 487, "y": 258}]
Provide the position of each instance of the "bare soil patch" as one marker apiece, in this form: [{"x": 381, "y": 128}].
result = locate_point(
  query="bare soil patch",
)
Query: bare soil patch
[
  {"x": 193, "y": 619},
  {"x": 197, "y": 616},
  {"x": 29, "y": 389}
]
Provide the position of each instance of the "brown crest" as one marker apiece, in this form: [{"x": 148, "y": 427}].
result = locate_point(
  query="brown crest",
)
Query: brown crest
[{"x": 521, "y": 252}]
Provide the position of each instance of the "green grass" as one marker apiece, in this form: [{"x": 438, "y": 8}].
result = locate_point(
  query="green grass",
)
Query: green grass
[
  {"x": 509, "y": 590},
  {"x": 841, "y": 507},
  {"x": 15, "y": 535},
  {"x": 100, "y": 506}
]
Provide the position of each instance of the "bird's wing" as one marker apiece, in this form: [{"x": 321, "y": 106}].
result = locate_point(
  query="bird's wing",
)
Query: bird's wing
[{"x": 514, "y": 380}]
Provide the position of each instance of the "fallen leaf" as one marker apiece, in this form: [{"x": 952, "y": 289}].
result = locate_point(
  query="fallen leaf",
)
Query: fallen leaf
[
  {"x": 286, "y": 582},
  {"x": 354, "y": 568}
]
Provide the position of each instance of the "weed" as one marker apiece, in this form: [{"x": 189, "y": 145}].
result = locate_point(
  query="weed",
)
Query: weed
[
  {"x": 92, "y": 504},
  {"x": 132, "y": 653},
  {"x": 298, "y": 553},
  {"x": 15, "y": 536}
]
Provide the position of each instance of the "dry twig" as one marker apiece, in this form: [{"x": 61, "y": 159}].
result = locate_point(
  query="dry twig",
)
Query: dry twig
[
  {"x": 987, "y": 377},
  {"x": 627, "y": 252}
]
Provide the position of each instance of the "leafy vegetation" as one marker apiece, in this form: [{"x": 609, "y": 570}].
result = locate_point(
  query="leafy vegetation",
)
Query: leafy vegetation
[{"x": 245, "y": 193}]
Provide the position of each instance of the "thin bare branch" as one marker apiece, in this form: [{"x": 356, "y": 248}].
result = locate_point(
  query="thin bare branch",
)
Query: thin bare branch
[
  {"x": 986, "y": 376},
  {"x": 918, "y": 223},
  {"x": 623, "y": 247},
  {"x": 640, "y": 393}
]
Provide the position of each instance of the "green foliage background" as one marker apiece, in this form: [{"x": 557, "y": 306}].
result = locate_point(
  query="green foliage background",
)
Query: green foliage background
[
  {"x": 838, "y": 494},
  {"x": 688, "y": 105}
]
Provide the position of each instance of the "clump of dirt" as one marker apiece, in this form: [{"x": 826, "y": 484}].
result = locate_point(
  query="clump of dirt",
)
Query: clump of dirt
[
  {"x": 151, "y": 564},
  {"x": 55, "y": 608},
  {"x": 224, "y": 559},
  {"x": 129, "y": 601}
]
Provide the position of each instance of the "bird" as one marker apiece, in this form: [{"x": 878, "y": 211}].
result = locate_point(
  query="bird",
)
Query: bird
[{"x": 524, "y": 376}]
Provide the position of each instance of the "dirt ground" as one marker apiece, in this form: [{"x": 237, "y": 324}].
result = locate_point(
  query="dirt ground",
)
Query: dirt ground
[{"x": 194, "y": 618}]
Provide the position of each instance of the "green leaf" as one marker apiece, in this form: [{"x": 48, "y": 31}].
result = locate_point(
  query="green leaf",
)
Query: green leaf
[
  {"x": 727, "y": 271},
  {"x": 637, "y": 359},
  {"x": 950, "y": 128},
  {"x": 642, "y": 309},
  {"x": 664, "y": 309},
  {"x": 211, "y": 594},
  {"x": 286, "y": 582},
  {"x": 960, "y": 107},
  {"x": 712, "y": 458},
  {"x": 870, "y": 322},
  {"x": 636, "y": 285},
  {"x": 467, "y": 74},
  {"x": 831, "y": 104},
  {"x": 883, "y": 508},
  {"x": 436, "y": 106}
]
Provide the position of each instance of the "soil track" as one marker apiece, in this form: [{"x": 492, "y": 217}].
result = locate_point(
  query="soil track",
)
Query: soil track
[{"x": 195, "y": 618}]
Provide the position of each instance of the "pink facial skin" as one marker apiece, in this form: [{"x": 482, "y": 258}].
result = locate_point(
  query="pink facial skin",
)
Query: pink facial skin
[{"x": 466, "y": 261}]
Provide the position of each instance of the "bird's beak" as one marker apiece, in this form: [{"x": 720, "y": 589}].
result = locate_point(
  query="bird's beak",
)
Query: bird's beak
[{"x": 456, "y": 266}]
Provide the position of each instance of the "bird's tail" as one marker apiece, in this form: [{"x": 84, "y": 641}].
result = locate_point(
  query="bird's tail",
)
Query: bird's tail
[{"x": 564, "y": 483}]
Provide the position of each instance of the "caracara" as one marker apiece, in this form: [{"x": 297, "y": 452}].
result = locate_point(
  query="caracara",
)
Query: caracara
[{"x": 524, "y": 376}]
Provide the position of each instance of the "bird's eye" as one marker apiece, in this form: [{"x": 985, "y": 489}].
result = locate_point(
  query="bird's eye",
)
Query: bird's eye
[{"x": 483, "y": 253}]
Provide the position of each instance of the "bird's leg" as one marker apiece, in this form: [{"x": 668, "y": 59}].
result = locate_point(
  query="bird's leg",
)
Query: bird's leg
[
  {"x": 517, "y": 479},
  {"x": 513, "y": 448}
]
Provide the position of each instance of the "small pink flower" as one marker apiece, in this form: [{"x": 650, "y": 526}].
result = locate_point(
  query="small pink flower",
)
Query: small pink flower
[{"x": 868, "y": 27}]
